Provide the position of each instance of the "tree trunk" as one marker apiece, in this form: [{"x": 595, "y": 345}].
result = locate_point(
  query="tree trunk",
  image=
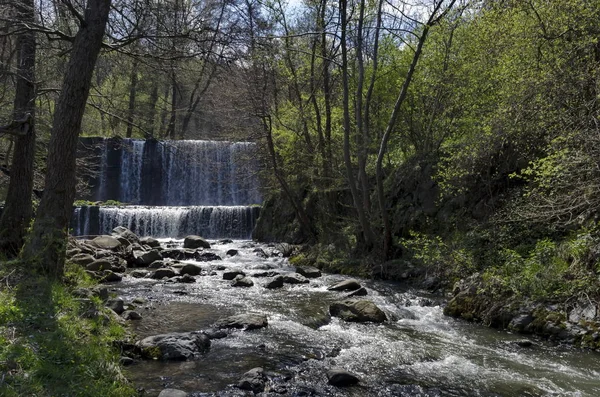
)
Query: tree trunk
[
  {"x": 47, "y": 240},
  {"x": 18, "y": 209},
  {"x": 152, "y": 113},
  {"x": 132, "y": 94},
  {"x": 365, "y": 225}
]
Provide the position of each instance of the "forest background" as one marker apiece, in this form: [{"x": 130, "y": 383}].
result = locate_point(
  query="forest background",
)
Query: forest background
[{"x": 440, "y": 138}]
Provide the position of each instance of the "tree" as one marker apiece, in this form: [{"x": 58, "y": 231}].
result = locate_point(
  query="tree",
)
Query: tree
[
  {"x": 46, "y": 243},
  {"x": 18, "y": 206}
]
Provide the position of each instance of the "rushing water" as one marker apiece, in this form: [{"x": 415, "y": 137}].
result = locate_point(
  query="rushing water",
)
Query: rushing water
[
  {"x": 176, "y": 173},
  {"x": 210, "y": 222},
  {"x": 419, "y": 352}
]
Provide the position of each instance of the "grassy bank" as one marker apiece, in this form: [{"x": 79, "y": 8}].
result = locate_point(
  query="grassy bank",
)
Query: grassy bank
[{"x": 53, "y": 343}]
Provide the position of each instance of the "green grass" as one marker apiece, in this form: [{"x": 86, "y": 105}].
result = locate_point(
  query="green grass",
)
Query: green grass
[{"x": 48, "y": 347}]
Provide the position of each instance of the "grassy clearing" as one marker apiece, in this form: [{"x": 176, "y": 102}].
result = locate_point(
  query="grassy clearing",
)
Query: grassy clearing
[{"x": 49, "y": 344}]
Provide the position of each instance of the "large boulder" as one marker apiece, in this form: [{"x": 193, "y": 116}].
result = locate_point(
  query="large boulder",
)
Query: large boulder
[
  {"x": 123, "y": 232},
  {"x": 174, "y": 346},
  {"x": 195, "y": 242},
  {"x": 357, "y": 311},
  {"x": 253, "y": 380},
  {"x": 346, "y": 285},
  {"x": 247, "y": 321},
  {"x": 106, "y": 243},
  {"x": 308, "y": 271}
]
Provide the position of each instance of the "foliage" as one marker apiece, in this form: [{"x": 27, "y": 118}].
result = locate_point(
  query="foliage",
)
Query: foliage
[{"x": 49, "y": 347}]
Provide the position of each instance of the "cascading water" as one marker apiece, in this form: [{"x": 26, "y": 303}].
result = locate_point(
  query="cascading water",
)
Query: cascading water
[{"x": 215, "y": 180}]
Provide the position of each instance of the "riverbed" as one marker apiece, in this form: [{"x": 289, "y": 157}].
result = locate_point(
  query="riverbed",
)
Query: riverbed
[{"x": 417, "y": 352}]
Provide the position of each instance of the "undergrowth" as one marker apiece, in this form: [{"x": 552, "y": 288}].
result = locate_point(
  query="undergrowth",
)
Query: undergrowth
[{"x": 49, "y": 344}]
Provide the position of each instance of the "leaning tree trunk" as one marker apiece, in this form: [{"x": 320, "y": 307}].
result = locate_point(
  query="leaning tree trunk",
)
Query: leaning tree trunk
[
  {"x": 17, "y": 209},
  {"x": 47, "y": 241}
]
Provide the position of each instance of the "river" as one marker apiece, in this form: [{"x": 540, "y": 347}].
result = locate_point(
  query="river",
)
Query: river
[{"x": 418, "y": 352}]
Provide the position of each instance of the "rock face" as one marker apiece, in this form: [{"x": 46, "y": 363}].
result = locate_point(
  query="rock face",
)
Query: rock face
[
  {"x": 195, "y": 242},
  {"x": 243, "y": 321},
  {"x": 346, "y": 285},
  {"x": 308, "y": 271},
  {"x": 174, "y": 346},
  {"x": 341, "y": 378},
  {"x": 253, "y": 380},
  {"x": 357, "y": 311}
]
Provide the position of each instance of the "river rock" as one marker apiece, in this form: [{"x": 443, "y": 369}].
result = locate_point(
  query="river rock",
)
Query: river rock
[
  {"x": 172, "y": 393},
  {"x": 346, "y": 285},
  {"x": 139, "y": 273},
  {"x": 247, "y": 321},
  {"x": 174, "y": 346},
  {"x": 106, "y": 242},
  {"x": 232, "y": 252},
  {"x": 117, "y": 305},
  {"x": 357, "y": 311},
  {"x": 145, "y": 258},
  {"x": 195, "y": 242},
  {"x": 164, "y": 272},
  {"x": 583, "y": 312},
  {"x": 253, "y": 380},
  {"x": 275, "y": 282},
  {"x": 108, "y": 276},
  {"x": 206, "y": 256},
  {"x": 231, "y": 274},
  {"x": 308, "y": 271},
  {"x": 285, "y": 249},
  {"x": 122, "y": 231},
  {"x": 294, "y": 278},
  {"x": 186, "y": 278},
  {"x": 520, "y": 322},
  {"x": 82, "y": 259},
  {"x": 150, "y": 242},
  {"x": 341, "y": 378},
  {"x": 362, "y": 291},
  {"x": 260, "y": 253},
  {"x": 99, "y": 264},
  {"x": 191, "y": 269},
  {"x": 242, "y": 281},
  {"x": 131, "y": 315},
  {"x": 270, "y": 273}
]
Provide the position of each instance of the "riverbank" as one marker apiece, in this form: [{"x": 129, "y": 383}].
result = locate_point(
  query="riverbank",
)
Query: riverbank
[{"x": 57, "y": 338}]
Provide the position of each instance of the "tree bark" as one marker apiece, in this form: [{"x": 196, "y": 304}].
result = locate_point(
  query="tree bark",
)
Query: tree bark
[
  {"x": 46, "y": 243},
  {"x": 18, "y": 209}
]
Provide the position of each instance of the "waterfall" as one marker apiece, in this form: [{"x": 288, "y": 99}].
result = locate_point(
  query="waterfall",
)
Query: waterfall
[{"x": 176, "y": 188}]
